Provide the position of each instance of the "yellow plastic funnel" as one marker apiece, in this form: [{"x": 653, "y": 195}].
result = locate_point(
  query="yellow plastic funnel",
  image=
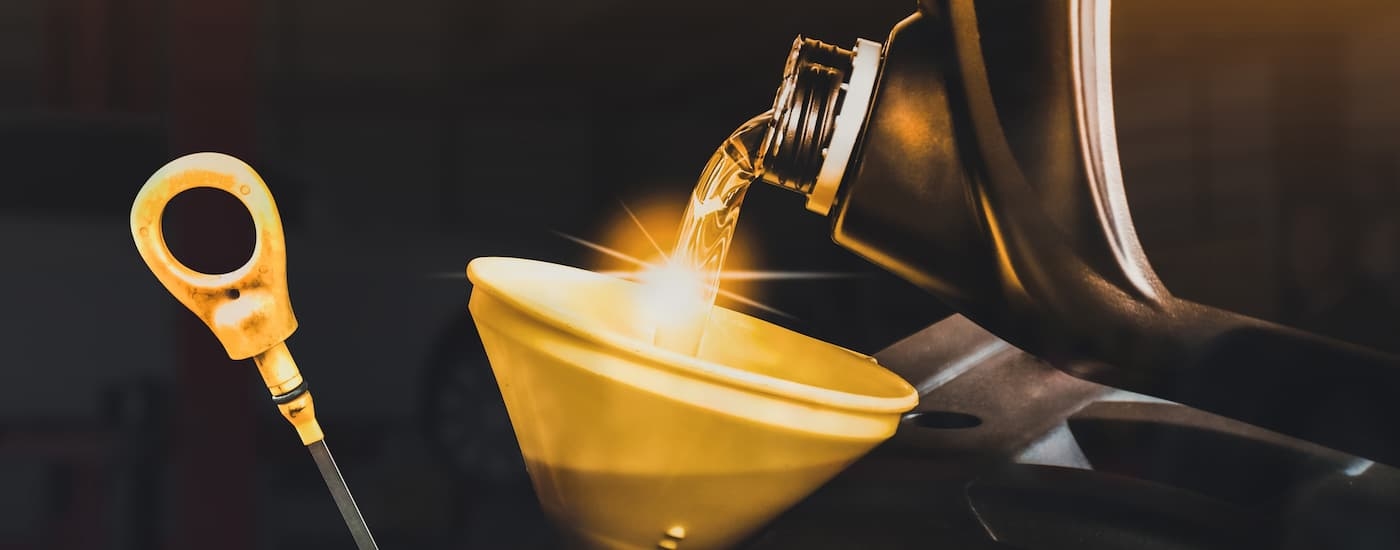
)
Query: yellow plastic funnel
[{"x": 634, "y": 446}]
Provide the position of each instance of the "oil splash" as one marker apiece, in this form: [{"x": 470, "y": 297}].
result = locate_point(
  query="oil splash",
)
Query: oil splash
[{"x": 706, "y": 231}]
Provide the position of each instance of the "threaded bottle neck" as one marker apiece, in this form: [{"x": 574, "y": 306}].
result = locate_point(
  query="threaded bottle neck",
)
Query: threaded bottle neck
[{"x": 804, "y": 114}]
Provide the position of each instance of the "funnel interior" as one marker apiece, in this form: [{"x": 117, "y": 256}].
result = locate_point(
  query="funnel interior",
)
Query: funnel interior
[{"x": 737, "y": 348}]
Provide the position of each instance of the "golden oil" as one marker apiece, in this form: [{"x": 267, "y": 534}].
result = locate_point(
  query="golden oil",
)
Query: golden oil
[{"x": 706, "y": 231}]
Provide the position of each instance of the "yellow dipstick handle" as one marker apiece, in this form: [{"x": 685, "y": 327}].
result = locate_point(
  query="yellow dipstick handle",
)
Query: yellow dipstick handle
[{"x": 248, "y": 308}]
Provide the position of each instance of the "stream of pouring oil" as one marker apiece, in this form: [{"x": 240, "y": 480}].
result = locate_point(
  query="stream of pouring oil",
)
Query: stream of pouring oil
[{"x": 707, "y": 229}]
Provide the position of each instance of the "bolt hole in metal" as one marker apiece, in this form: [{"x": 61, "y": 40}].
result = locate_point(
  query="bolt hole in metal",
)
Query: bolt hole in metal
[
  {"x": 943, "y": 420},
  {"x": 208, "y": 230}
]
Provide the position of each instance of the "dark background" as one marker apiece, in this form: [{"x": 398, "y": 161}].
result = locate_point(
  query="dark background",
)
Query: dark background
[{"x": 1260, "y": 146}]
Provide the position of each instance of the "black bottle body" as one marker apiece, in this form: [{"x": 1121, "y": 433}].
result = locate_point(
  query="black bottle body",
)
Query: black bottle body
[
  {"x": 986, "y": 174},
  {"x": 965, "y": 184}
]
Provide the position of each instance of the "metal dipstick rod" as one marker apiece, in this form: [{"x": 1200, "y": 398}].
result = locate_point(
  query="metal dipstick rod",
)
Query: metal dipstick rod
[{"x": 248, "y": 309}]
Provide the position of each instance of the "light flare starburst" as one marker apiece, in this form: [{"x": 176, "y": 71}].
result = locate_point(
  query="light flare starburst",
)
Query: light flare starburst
[
  {"x": 645, "y": 271},
  {"x": 644, "y": 267}
]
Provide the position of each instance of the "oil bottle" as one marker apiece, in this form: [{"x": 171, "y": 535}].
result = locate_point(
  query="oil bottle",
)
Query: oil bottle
[{"x": 974, "y": 154}]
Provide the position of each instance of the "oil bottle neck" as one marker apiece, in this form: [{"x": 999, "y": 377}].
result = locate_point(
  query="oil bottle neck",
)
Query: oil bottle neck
[{"x": 817, "y": 115}]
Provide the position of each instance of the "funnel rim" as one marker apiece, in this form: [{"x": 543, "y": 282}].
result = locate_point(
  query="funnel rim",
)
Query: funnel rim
[{"x": 694, "y": 366}]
